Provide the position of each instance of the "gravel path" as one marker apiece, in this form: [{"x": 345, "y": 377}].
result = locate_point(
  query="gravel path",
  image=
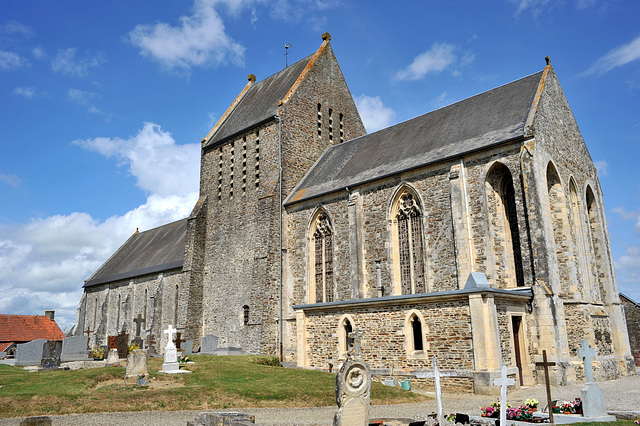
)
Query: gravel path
[{"x": 621, "y": 395}]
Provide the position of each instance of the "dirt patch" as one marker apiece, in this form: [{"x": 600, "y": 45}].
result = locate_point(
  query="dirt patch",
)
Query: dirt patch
[{"x": 151, "y": 383}]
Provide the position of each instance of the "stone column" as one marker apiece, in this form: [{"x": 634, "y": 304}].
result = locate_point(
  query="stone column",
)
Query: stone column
[{"x": 460, "y": 215}]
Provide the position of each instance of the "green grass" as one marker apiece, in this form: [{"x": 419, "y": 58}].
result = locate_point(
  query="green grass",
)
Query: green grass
[{"x": 216, "y": 383}]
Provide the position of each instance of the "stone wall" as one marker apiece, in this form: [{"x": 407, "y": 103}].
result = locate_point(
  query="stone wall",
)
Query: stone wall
[{"x": 632, "y": 314}]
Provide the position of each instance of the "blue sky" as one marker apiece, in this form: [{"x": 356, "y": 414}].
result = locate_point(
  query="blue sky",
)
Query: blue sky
[{"x": 103, "y": 105}]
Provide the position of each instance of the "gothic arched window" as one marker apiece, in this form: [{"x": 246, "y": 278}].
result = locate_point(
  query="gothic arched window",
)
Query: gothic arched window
[
  {"x": 322, "y": 259},
  {"x": 410, "y": 253}
]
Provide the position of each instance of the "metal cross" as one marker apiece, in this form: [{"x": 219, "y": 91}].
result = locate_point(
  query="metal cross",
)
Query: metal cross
[
  {"x": 179, "y": 339},
  {"x": 544, "y": 364},
  {"x": 587, "y": 353}
]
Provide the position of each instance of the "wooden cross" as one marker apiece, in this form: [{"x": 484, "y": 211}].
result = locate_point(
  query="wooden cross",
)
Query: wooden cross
[
  {"x": 138, "y": 322},
  {"x": 503, "y": 382},
  {"x": 587, "y": 353},
  {"x": 179, "y": 339},
  {"x": 544, "y": 364}
]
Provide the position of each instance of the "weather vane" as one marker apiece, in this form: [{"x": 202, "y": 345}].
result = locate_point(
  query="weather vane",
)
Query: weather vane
[{"x": 286, "y": 54}]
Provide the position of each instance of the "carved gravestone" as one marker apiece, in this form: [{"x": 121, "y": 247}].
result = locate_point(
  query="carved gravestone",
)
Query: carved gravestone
[
  {"x": 138, "y": 340},
  {"x": 353, "y": 388},
  {"x": 122, "y": 344},
  {"x": 112, "y": 357},
  {"x": 170, "y": 364}
]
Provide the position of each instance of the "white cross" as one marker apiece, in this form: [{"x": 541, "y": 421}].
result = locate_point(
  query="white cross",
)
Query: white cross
[
  {"x": 436, "y": 382},
  {"x": 169, "y": 331},
  {"x": 586, "y": 353},
  {"x": 503, "y": 382}
]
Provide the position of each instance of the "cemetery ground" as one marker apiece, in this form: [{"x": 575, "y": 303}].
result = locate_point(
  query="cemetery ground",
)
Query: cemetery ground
[{"x": 217, "y": 382}]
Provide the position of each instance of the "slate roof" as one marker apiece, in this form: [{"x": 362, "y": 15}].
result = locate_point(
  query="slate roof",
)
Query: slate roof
[
  {"x": 260, "y": 103},
  {"x": 156, "y": 250},
  {"x": 481, "y": 121},
  {"x": 25, "y": 328}
]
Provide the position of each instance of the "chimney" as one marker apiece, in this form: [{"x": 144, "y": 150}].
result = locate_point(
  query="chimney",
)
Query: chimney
[{"x": 49, "y": 314}]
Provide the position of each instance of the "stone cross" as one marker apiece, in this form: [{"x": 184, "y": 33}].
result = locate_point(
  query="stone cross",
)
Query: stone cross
[
  {"x": 179, "y": 339},
  {"x": 138, "y": 322},
  {"x": 503, "y": 382},
  {"x": 587, "y": 353},
  {"x": 356, "y": 350},
  {"x": 169, "y": 331},
  {"x": 544, "y": 364}
]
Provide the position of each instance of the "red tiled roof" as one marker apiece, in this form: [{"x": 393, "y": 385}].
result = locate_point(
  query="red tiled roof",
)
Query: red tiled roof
[
  {"x": 5, "y": 346},
  {"x": 25, "y": 328}
]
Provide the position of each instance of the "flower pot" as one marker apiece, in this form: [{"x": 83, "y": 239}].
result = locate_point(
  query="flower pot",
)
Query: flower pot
[{"x": 556, "y": 410}]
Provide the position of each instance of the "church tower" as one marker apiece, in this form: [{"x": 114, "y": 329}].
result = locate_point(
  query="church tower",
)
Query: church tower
[{"x": 263, "y": 145}]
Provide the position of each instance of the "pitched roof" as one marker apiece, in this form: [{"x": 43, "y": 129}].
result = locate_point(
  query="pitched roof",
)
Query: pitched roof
[
  {"x": 148, "y": 252},
  {"x": 260, "y": 102},
  {"x": 481, "y": 121},
  {"x": 25, "y": 328}
]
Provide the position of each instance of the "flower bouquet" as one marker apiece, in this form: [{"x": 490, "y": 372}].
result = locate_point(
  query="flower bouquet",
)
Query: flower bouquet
[
  {"x": 532, "y": 403},
  {"x": 567, "y": 407},
  {"x": 522, "y": 413}
]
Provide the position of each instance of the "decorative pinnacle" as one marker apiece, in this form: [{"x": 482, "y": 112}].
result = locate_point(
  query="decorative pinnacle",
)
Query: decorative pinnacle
[
  {"x": 251, "y": 78},
  {"x": 326, "y": 36},
  {"x": 546, "y": 58}
]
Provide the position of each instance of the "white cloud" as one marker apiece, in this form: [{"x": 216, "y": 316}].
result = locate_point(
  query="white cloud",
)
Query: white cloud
[
  {"x": 67, "y": 63},
  {"x": 11, "y": 61},
  {"x": 11, "y": 180},
  {"x": 602, "y": 167},
  {"x": 85, "y": 99},
  {"x": 15, "y": 27},
  {"x": 160, "y": 165},
  {"x": 442, "y": 100},
  {"x": 27, "y": 92},
  {"x": 39, "y": 53},
  {"x": 199, "y": 40},
  {"x": 44, "y": 262},
  {"x": 534, "y": 7},
  {"x": 375, "y": 115},
  {"x": 617, "y": 57},
  {"x": 436, "y": 59},
  {"x": 629, "y": 215}
]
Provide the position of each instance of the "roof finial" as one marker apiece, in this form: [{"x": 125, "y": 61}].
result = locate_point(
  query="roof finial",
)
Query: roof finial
[
  {"x": 326, "y": 36},
  {"x": 251, "y": 78},
  {"x": 546, "y": 58}
]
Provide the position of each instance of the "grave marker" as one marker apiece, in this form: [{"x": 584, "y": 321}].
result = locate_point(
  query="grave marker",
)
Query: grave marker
[
  {"x": 30, "y": 353},
  {"x": 74, "y": 348},
  {"x": 122, "y": 344},
  {"x": 353, "y": 388},
  {"x": 587, "y": 354},
  {"x": 593, "y": 403},
  {"x": 208, "y": 345},
  {"x": 179, "y": 340},
  {"x": 170, "y": 364},
  {"x": 188, "y": 347},
  {"x": 138, "y": 340},
  {"x": 544, "y": 364},
  {"x": 503, "y": 382},
  {"x": 136, "y": 365}
]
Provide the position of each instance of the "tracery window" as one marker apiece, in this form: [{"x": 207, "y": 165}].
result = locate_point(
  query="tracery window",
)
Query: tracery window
[
  {"x": 410, "y": 248},
  {"x": 322, "y": 246}
]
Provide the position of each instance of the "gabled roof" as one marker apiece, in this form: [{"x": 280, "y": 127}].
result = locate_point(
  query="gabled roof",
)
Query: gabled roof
[
  {"x": 260, "y": 103},
  {"x": 156, "y": 250},
  {"x": 484, "y": 120},
  {"x": 25, "y": 328}
]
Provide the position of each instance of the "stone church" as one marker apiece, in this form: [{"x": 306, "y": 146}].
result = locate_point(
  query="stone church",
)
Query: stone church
[{"x": 475, "y": 233}]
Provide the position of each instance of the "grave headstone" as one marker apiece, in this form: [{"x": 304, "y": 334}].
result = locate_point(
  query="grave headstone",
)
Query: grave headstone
[
  {"x": 74, "y": 348},
  {"x": 593, "y": 403},
  {"x": 138, "y": 340},
  {"x": 170, "y": 353},
  {"x": 112, "y": 357},
  {"x": 188, "y": 347},
  {"x": 208, "y": 344},
  {"x": 122, "y": 344},
  {"x": 30, "y": 353},
  {"x": 353, "y": 388},
  {"x": 136, "y": 365},
  {"x": 51, "y": 351},
  {"x": 503, "y": 382}
]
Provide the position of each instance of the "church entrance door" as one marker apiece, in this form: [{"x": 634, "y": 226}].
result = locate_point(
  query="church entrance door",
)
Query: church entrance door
[{"x": 516, "y": 322}]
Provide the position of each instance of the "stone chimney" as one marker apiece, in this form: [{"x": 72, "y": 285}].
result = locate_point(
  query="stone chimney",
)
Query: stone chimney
[{"x": 49, "y": 314}]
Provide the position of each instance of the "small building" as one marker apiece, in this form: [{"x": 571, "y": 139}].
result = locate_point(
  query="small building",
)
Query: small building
[
  {"x": 632, "y": 314},
  {"x": 15, "y": 329}
]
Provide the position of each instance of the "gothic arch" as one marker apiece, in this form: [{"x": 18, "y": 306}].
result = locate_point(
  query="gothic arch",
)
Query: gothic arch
[
  {"x": 563, "y": 250},
  {"x": 415, "y": 332},
  {"x": 503, "y": 218},
  {"x": 596, "y": 239},
  {"x": 346, "y": 324},
  {"x": 407, "y": 241},
  {"x": 580, "y": 241},
  {"x": 321, "y": 259}
]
